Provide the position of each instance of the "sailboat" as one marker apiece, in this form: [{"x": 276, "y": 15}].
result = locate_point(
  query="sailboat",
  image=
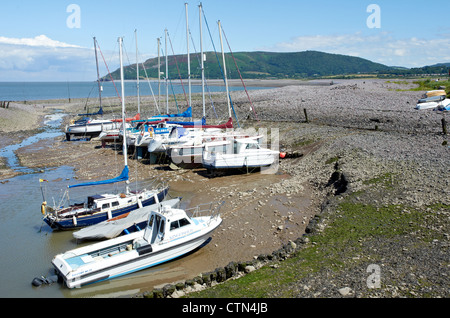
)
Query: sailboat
[
  {"x": 102, "y": 207},
  {"x": 88, "y": 127}
]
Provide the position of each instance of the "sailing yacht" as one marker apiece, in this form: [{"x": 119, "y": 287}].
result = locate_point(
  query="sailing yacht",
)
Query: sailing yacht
[{"x": 102, "y": 207}]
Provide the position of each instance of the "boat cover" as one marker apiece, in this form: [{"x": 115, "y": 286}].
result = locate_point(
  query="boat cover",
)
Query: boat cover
[
  {"x": 114, "y": 227},
  {"x": 198, "y": 123},
  {"x": 186, "y": 113},
  {"x": 123, "y": 177},
  {"x": 100, "y": 112}
]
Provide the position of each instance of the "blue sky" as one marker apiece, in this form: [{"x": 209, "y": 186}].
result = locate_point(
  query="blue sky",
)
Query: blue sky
[{"x": 37, "y": 44}]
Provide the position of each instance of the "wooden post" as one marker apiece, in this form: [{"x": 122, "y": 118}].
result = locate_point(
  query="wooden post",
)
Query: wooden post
[{"x": 306, "y": 115}]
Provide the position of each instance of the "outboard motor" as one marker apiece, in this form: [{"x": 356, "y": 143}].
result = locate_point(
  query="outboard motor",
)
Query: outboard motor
[{"x": 38, "y": 281}]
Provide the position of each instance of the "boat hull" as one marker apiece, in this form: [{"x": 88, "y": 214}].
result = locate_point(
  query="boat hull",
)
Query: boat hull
[
  {"x": 87, "y": 220},
  {"x": 90, "y": 130},
  {"x": 128, "y": 261},
  {"x": 224, "y": 162}
]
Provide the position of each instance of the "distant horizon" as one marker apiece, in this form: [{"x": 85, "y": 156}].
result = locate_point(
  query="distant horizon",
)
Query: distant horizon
[{"x": 162, "y": 80}]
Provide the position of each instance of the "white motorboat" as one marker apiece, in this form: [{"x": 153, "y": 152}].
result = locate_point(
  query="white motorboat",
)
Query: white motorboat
[
  {"x": 236, "y": 154},
  {"x": 169, "y": 234},
  {"x": 189, "y": 154}
]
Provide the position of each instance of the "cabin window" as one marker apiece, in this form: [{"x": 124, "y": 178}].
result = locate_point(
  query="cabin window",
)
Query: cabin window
[
  {"x": 115, "y": 203},
  {"x": 174, "y": 225},
  {"x": 252, "y": 146},
  {"x": 161, "y": 229},
  {"x": 179, "y": 223},
  {"x": 150, "y": 223},
  {"x": 184, "y": 222},
  {"x": 105, "y": 206}
]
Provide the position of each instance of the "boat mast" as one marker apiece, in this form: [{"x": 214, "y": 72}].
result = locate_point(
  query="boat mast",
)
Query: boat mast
[
  {"x": 137, "y": 75},
  {"x": 98, "y": 73},
  {"x": 188, "y": 55},
  {"x": 159, "y": 71},
  {"x": 202, "y": 57},
  {"x": 125, "y": 154},
  {"x": 224, "y": 69},
  {"x": 167, "y": 74}
]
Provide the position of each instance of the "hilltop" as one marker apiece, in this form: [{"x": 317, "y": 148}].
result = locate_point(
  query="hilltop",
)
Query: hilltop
[{"x": 264, "y": 65}]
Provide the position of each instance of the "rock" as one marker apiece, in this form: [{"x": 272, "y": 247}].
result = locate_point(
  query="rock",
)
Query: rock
[
  {"x": 249, "y": 269},
  {"x": 345, "y": 291},
  {"x": 221, "y": 274}
]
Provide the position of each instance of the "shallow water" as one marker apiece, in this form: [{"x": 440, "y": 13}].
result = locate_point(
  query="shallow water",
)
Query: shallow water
[
  {"x": 29, "y": 245},
  {"x": 51, "y": 130}
]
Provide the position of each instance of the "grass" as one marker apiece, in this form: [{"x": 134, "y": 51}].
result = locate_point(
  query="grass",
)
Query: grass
[
  {"x": 425, "y": 85},
  {"x": 335, "y": 249}
]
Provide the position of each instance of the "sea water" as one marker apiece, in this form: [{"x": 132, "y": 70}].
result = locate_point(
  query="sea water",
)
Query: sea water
[{"x": 28, "y": 91}]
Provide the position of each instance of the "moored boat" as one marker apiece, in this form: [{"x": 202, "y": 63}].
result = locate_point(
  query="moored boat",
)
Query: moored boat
[
  {"x": 169, "y": 234},
  {"x": 242, "y": 153},
  {"x": 102, "y": 207}
]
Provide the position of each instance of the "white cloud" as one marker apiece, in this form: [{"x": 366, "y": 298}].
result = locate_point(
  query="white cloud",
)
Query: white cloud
[
  {"x": 43, "y": 59},
  {"x": 382, "y": 48},
  {"x": 39, "y": 41}
]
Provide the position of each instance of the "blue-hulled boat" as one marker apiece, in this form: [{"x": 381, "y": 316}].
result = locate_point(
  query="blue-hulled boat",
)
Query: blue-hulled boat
[{"x": 102, "y": 207}]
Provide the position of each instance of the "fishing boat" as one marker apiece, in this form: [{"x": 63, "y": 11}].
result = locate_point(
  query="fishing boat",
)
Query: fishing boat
[
  {"x": 102, "y": 207},
  {"x": 242, "y": 153},
  {"x": 169, "y": 234}
]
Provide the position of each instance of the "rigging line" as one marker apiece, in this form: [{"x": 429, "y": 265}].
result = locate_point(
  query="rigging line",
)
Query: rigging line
[
  {"x": 171, "y": 86},
  {"x": 179, "y": 74},
  {"x": 239, "y": 72},
  {"x": 220, "y": 67},
  {"x": 120, "y": 98},
  {"x": 149, "y": 84}
]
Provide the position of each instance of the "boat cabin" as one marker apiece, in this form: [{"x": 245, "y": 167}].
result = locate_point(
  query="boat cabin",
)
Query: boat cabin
[
  {"x": 105, "y": 202},
  {"x": 234, "y": 146},
  {"x": 166, "y": 225}
]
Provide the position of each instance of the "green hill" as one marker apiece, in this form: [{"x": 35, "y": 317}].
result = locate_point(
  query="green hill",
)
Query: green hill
[{"x": 262, "y": 65}]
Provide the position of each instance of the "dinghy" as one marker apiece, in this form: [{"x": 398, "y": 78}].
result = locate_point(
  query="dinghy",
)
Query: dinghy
[{"x": 169, "y": 234}]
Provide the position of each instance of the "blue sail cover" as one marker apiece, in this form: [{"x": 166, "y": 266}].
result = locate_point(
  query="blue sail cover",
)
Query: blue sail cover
[
  {"x": 123, "y": 177},
  {"x": 186, "y": 113},
  {"x": 201, "y": 122},
  {"x": 100, "y": 112}
]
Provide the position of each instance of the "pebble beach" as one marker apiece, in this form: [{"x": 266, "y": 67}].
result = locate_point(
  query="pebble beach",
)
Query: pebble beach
[{"x": 361, "y": 142}]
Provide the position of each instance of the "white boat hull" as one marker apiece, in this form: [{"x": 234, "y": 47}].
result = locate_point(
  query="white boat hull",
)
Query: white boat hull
[
  {"x": 121, "y": 256},
  {"x": 236, "y": 161},
  {"x": 91, "y": 129}
]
